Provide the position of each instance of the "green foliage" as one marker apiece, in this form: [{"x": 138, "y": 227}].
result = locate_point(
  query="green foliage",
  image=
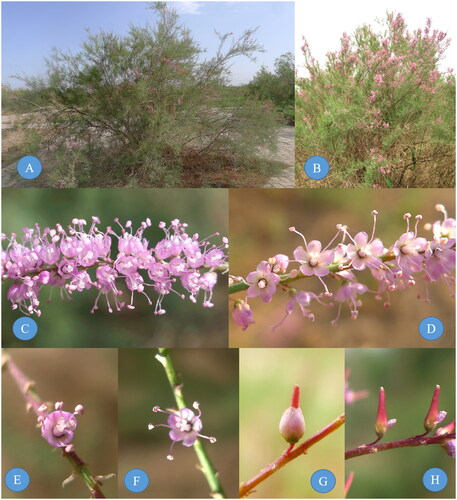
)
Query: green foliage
[
  {"x": 133, "y": 108},
  {"x": 18, "y": 101},
  {"x": 278, "y": 87}
]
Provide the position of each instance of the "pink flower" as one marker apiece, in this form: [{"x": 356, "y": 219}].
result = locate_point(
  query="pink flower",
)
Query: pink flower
[
  {"x": 313, "y": 260},
  {"x": 58, "y": 426},
  {"x": 363, "y": 252},
  {"x": 242, "y": 314},
  {"x": 262, "y": 282},
  {"x": 184, "y": 426}
]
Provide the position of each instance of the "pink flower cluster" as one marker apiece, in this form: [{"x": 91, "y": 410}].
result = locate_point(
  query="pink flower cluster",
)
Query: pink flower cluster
[
  {"x": 405, "y": 263},
  {"x": 58, "y": 427},
  {"x": 63, "y": 258}
]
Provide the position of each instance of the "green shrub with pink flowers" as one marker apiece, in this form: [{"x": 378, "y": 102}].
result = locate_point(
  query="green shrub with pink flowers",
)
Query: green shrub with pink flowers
[
  {"x": 380, "y": 109},
  {"x": 140, "y": 110}
]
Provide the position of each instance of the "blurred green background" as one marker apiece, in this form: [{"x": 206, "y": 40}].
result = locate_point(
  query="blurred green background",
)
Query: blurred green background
[
  {"x": 74, "y": 376},
  {"x": 267, "y": 377},
  {"x": 209, "y": 376},
  {"x": 70, "y": 324},
  {"x": 409, "y": 377},
  {"x": 259, "y": 222}
]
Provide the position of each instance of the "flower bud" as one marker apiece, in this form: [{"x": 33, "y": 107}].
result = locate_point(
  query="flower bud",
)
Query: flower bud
[
  {"x": 292, "y": 423},
  {"x": 434, "y": 416},
  {"x": 382, "y": 425}
]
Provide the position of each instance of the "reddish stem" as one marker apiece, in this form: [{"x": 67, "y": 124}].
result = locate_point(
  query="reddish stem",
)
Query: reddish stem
[
  {"x": 284, "y": 459},
  {"x": 348, "y": 483},
  {"x": 366, "y": 449}
]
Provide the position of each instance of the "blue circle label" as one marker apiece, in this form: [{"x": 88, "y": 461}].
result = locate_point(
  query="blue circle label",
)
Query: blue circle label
[
  {"x": 29, "y": 167},
  {"x": 323, "y": 481},
  {"x": 25, "y": 328},
  {"x": 435, "y": 479},
  {"x": 431, "y": 328},
  {"x": 317, "y": 167},
  {"x": 17, "y": 479},
  {"x": 136, "y": 480}
]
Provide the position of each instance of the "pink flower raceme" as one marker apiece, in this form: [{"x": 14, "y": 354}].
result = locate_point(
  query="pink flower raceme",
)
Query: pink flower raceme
[
  {"x": 409, "y": 261},
  {"x": 58, "y": 426},
  {"x": 184, "y": 426},
  {"x": 64, "y": 259}
]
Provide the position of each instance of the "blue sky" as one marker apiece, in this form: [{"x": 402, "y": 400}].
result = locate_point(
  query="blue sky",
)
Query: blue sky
[{"x": 31, "y": 29}]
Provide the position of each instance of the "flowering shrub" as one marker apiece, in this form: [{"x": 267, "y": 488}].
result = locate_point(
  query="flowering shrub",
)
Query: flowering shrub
[
  {"x": 410, "y": 261},
  {"x": 380, "y": 109},
  {"x": 63, "y": 258},
  {"x": 140, "y": 109}
]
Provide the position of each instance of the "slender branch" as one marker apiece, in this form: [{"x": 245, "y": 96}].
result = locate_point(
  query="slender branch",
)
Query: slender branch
[
  {"x": 33, "y": 401},
  {"x": 207, "y": 467},
  {"x": 365, "y": 449},
  {"x": 333, "y": 268},
  {"x": 285, "y": 458}
]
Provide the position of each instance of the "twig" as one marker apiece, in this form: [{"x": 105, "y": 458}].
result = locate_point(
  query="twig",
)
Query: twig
[
  {"x": 207, "y": 467},
  {"x": 365, "y": 449},
  {"x": 285, "y": 458},
  {"x": 33, "y": 401}
]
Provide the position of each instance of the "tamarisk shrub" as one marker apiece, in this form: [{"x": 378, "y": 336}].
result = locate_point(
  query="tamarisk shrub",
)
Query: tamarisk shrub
[
  {"x": 380, "y": 109},
  {"x": 130, "y": 109}
]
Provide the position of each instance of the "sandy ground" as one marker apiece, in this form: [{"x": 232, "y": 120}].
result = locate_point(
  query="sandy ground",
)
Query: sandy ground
[{"x": 285, "y": 154}]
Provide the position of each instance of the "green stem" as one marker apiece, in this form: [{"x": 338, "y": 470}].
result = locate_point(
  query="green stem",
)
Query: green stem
[
  {"x": 207, "y": 467},
  {"x": 33, "y": 401},
  {"x": 333, "y": 269}
]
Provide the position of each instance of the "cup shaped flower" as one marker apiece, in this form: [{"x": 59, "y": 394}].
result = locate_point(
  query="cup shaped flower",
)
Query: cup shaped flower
[
  {"x": 292, "y": 423},
  {"x": 58, "y": 426},
  {"x": 262, "y": 282},
  {"x": 184, "y": 426},
  {"x": 382, "y": 425},
  {"x": 434, "y": 415}
]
